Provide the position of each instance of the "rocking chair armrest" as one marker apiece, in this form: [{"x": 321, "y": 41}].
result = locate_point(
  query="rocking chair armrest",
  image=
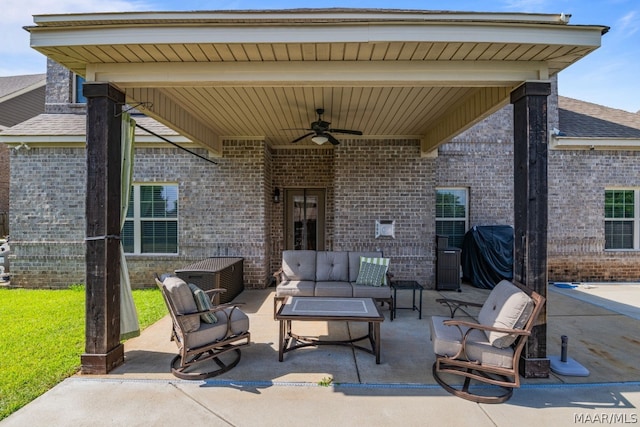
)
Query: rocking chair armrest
[
  {"x": 217, "y": 308},
  {"x": 214, "y": 292},
  {"x": 454, "y": 304},
  {"x": 458, "y": 302},
  {"x": 180, "y": 316},
  {"x": 479, "y": 326}
]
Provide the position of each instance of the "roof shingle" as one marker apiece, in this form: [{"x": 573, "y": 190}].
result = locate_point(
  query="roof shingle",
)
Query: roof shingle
[{"x": 584, "y": 119}]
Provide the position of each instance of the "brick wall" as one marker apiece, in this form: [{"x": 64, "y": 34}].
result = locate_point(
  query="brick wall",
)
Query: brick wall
[
  {"x": 366, "y": 180},
  {"x": 47, "y": 217},
  {"x": 577, "y": 181},
  {"x": 297, "y": 168},
  {"x": 486, "y": 169},
  {"x": 60, "y": 90},
  {"x": 221, "y": 212},
  {"x": 4, "y": 178},
  {"x": 387, "y": 180},
  {"x": 227, "y": 209}
]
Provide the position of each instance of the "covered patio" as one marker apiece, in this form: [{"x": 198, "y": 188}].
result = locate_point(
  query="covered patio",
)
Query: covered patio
[
  {"x": 247, "y": 75},
  {"x": 401, "y": 390},
  {"x": 596, "y": 340}
]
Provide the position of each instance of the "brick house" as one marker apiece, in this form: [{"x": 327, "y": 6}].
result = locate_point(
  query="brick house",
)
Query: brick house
[
  {"x": 241, "y": 86},
  {"x": 21, "y": 97},
  {"x": 53, "y": 252},
  {"x": 228, "y": 208}
]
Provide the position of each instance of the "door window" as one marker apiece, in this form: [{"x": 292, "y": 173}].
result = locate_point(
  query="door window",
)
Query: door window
[{"x": 305, "y": 219}]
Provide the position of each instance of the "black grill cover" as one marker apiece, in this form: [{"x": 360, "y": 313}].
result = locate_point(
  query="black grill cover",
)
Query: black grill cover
[{"x": 487, "y": 255}]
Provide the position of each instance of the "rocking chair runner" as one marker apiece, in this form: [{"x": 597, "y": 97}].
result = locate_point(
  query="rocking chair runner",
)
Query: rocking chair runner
[
  {"x": 199, "y": 340},
  {"x": 487, "y": 351}
]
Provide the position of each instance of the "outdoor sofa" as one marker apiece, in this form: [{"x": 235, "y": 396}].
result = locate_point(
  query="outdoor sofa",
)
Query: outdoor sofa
[{"x": 308, "y": 273}]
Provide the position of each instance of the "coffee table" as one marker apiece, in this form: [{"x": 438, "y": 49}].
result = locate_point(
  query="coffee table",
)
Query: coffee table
[{"x": 327, "y": 309}]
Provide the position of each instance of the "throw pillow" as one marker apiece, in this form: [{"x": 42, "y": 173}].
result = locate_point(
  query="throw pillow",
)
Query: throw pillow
[
  {"x": 371, "y": 274},
  {"x": 378, "y": 261},
  {"x": 203, "y": 303}
]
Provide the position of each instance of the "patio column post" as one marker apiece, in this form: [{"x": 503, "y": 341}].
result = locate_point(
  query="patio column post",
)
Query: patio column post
[
  {"x": 103, "y": 350},
  {"x": 530, "y": 137}
]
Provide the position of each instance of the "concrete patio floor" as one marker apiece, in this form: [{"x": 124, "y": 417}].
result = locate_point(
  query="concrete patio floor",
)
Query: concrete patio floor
[{"x": 399, "y": 391}]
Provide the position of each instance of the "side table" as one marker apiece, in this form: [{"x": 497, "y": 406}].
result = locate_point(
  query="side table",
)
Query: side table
[{"x": 413, "y": 286}]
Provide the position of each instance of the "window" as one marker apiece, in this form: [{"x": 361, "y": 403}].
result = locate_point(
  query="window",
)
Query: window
[
  {"x": 452, "y": 214},
  {"x": 622, "y": 219},
  {"x": 78, "y": 96},
  {"x": 151, "y": 225}
]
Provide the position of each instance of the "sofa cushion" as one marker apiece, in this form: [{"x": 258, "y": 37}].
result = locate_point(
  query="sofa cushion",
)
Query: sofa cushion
[
  {"x": 182, "y": 298},
  {"x": 354, "y": 263},
  {"x": 333, "y": 289},
  {"x": 203, "y": 303},
  {"x": 371, "y": 274},
  {"x": 299, "y": 265},
  {"x": 447, "y": 342},
  {"x": 506, "y": 307},
  {"x": 211, "y": 332},
  {"x": 332, "y": 266},
  {"x": 296, "y": 288}
]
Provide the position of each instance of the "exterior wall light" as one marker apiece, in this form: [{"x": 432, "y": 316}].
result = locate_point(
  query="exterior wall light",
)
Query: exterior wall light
[{"x": 276, "y": 195}]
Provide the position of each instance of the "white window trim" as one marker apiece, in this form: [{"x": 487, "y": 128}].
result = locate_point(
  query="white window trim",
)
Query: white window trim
[
  {"x": 466, "y": 211},
  {"x": 636, "y": 219},
  {"x": 137, "y": 220}
]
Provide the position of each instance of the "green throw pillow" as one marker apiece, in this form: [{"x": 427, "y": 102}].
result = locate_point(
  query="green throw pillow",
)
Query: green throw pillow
[
  {"x": 203, "y": 303},
  {"x": 371, "y": 274},
  {"x": 378, "y": 261}
]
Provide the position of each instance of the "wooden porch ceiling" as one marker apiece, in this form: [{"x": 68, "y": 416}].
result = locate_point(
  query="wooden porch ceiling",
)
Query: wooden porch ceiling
[{"x": 248, "y": 74}]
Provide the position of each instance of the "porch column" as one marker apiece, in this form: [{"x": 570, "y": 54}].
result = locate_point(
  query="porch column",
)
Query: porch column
[
  {"x": 103, "y": 350},
  {"x": 530, "y": 188}
]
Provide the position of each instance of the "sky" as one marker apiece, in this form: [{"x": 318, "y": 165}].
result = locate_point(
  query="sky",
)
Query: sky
[{"x": 608, "y": 76}]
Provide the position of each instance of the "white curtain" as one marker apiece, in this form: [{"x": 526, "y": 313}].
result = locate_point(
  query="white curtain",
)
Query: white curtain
[{"x": 129, "y": 326}]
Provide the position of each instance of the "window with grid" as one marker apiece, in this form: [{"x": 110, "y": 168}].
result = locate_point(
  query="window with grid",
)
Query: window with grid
[
  {"x": 622, "y": 219},
  {"x": 452, "y": 214},
  {"x": 151, "y": 225}
]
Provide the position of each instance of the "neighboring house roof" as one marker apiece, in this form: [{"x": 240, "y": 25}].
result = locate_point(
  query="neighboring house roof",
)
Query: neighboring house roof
[
  {"x": 584, "y": 125},
  {"x": 21, "y": 97},
  {"x": 65, "y": 129},
  {"x": 580, "y": 118},
  {"x": 13, "y": 85}
]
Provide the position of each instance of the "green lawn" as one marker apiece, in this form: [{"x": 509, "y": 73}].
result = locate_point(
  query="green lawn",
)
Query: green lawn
[{"x": 42, "y": 338}]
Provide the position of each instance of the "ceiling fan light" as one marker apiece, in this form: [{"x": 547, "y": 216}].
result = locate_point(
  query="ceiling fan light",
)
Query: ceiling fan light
[{"x": 319, "y": 139}]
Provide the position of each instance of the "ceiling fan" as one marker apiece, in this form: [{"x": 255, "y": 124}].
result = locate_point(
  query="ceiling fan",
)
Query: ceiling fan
[{"x": 322, "y": 131}]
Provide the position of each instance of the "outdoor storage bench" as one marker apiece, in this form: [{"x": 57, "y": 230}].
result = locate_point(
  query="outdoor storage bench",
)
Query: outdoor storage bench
[{"x": 308, "y": 273}]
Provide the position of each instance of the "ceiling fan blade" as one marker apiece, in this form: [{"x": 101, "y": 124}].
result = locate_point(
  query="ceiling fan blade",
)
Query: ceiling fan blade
[
  {"x": 350, "y": 132},
  {"x": 302, "y": 137},
  {"x": 332, "y": 139}
]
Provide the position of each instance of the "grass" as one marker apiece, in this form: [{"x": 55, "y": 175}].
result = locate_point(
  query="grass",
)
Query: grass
[{"x": 42, "y": 338}]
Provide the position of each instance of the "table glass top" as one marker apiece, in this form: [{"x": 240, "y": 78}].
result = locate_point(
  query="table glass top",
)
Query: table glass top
[{"x": 326, "y": 306}]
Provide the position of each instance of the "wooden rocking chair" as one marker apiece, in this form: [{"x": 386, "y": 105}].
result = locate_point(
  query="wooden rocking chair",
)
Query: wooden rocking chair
[
  {"x": 201, "y": 330},
  {"x": 486, "y": 351}
]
